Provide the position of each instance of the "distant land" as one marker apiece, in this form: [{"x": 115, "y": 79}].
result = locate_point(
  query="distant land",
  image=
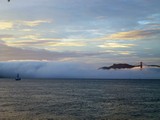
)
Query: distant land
[
  {"x": 154, "y": 66},
  {"x": 126, "y": 66},
  {"x": 118, "y": 66}
]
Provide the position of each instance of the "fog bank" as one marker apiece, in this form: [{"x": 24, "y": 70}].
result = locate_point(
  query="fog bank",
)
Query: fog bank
[{"x": 40, "y": 69}]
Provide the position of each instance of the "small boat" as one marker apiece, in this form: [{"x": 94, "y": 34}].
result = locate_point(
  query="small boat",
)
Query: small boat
[{"x": 17, "y": 78}]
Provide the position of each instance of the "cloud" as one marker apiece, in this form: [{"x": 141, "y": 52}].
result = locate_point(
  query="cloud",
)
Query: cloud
[
  {"x": 151, "y": 19},
  {"x": 133, "y": 35},
  {"x": 34, "y": 22},
  {"x": 119, "y": 52},
  {"x": 26, "y": 30},
  {"x": 30, "y": 37},
  {"x": 6, "y": 36},
  {"x": 116, "y": 45},
  {"x": 5, "y": 25},
  {"x": 125, "y": 53},
  {"x": 35, "y": 40},
  {"x": 39, "y": 69},
  {"x": 44, "y": 43},
  {"x": 67, "y": 44},
  {"x": 15, "y": 53}
]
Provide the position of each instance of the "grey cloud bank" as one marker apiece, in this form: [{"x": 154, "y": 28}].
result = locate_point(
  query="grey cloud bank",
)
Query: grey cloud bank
[{"x": 39, "y": 69}]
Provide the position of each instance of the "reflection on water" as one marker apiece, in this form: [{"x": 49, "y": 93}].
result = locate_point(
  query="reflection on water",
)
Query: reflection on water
[{"x": 79, "y": 100}]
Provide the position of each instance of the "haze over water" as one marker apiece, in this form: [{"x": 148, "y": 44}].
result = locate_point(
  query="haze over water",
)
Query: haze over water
[{"x": 79, "y": 99}]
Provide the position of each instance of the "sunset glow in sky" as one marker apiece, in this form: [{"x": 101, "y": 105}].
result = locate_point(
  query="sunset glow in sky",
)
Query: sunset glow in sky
[{"x": 93, "y": 32}]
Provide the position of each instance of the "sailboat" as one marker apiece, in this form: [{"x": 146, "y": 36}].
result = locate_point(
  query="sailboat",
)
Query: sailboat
[{"x": 17, "y": 77}]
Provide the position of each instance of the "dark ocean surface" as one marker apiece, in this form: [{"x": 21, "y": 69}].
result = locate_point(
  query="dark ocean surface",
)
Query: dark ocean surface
[{"x": 79, "y": 99}]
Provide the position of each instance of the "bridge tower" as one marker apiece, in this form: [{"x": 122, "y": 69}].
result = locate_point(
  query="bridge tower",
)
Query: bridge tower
[{"x": 141, "y": 65}]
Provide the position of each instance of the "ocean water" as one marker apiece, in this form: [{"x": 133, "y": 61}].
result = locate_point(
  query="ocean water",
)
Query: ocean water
[{"x": 79, "y": 99}]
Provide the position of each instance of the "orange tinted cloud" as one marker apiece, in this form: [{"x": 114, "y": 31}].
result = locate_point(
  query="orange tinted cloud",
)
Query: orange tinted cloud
[
  {"x": 35, "y": 22},
  {"x": 132, "y": 35},
  {"x": 116, "y": 45}
]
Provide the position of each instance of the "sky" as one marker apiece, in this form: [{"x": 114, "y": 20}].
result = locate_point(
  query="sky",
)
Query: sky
[{"x": 90, "y": 33}]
